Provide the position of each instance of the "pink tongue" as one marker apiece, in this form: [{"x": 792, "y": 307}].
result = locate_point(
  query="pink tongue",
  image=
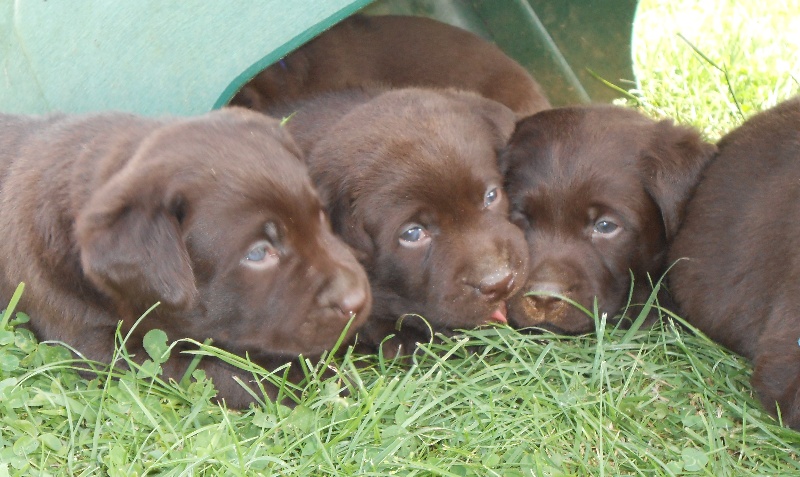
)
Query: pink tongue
[{"x": 499, "y": 315}]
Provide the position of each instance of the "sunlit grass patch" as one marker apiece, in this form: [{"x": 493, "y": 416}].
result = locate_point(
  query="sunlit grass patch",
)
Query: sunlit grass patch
[{"x": 755, "y": 43}]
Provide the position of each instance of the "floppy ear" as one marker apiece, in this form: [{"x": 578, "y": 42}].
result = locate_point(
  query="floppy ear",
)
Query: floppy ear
[
  {"x": 351, "y": 230},
  {"x": 131, "y": 246},
  {"x": 531, "y": 133},
  {"x": 671, "y": 168},
  {"x": 498, "y": 116}
]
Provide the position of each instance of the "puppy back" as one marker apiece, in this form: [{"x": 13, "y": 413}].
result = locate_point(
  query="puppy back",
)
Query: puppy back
[
  {"x": 737, "y": 249},
  {"x": 50, "y": 166},
  {"x": 309, "y": 120}
]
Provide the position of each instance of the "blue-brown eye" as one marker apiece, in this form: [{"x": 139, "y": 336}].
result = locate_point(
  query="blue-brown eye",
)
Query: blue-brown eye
[
  {"x": 491, "y": 196},
  {"x": 605, "y": 227},
  {"x": 257, "y": 253},
  {"x": 414, "y": 235},
  {"x": 265, "y": 253},
  {"x": 262, "y": 254}
]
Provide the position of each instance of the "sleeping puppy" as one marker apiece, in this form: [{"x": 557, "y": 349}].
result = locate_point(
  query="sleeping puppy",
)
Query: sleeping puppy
[
  {"x": 214, "y": 217},
  {"x": 395, "y": 51},
  {"x": 599, "y": 192},
  {"x": 411, "y": 182},
  {"x": 738, "y": 275}
]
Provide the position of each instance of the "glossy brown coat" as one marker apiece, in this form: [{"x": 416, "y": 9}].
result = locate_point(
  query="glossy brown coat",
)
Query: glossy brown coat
[
  {"x": 105, "y": 215},
  {"x": 599, "y": 192},
  {"x": 738, "y": 271}
]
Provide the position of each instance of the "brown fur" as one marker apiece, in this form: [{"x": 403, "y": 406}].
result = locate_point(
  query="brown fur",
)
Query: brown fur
[
  {"x": 739, "y": 276},
  {"x": 104, "y": 215},
  {"x": 570, "y": 172},
  {"x": 385, "y": 160},
  {"x": 396, "y": 51}
]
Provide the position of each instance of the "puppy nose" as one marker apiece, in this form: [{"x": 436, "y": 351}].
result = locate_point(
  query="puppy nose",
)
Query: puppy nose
[
  {"x": 547, "y": 289},
  {"x": 497, "y": 284},
  {"x": 353, "y": 301}
]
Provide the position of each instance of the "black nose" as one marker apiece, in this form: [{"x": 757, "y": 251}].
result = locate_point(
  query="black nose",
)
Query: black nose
[{"x": 497, "y": 284}]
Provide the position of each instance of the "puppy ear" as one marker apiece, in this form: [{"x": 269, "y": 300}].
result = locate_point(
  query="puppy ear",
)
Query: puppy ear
[
  {"x": 131, "y": 246},
  {"x": 528, "y": 135},
  {"x": 501, "y": 118},
  {"x": 671, "y": 168},
  {"x": 498, "y": 116},
  {"x": 351, "y": 229}
]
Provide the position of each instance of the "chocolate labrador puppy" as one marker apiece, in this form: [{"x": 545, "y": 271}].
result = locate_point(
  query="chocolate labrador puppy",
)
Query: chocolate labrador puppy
[
  {"x": 738, "y": 274},
  {"x": 214, "y": 217},
  {"x": 395, "y": 51},
  {"x": 411, "y": 182},
  {"x": 599, "y": 192}
]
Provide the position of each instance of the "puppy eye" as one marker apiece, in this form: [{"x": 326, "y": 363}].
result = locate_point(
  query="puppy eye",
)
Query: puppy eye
[
  {"x": 491, "y": 196},
  {"x": 605, "y": 227},
  {"x": 414, "y": 235},
  {"x": 261, "y": 255}
]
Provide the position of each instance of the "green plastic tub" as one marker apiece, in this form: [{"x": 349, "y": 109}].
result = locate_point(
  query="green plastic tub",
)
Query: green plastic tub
[{"x": 190, "y": 56}]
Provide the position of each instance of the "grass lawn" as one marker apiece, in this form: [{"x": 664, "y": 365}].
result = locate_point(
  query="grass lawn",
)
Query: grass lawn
[{"x": 663, "y": 401}]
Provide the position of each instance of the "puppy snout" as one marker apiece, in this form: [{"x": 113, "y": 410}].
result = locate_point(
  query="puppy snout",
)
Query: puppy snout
[
  {"x": 498, "y": 284},
  {"x": 352, "y": 301},
  {"x": 347, "y": 293},
  {"x": 545, "y": 291}
]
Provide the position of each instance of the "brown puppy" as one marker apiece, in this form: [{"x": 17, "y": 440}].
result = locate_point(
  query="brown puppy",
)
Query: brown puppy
[
  {"x": 599, "y": 192},
  {"x": 396, "y": 51},
  {"x": 215, "y": 217},
  {"x": 411, "y": 182},
  {"x": 740, "y": 276}
]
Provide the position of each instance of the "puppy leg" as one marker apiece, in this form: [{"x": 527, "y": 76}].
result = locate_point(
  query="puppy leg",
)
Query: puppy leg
[
  {"x": 790, "y": 404},
  {"x": 776, "y": 377},
  {"x": 373, "y": 336},
  {"x": 226, "y": 379}
]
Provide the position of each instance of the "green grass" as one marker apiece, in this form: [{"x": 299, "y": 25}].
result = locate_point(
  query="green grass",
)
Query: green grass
[
  {"x": 663, "y": 401},
  {"x": 491, "y": 402},
  {"x": 756, "y": 47}
]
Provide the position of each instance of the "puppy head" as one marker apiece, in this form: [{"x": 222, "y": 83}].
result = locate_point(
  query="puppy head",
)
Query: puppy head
[
  {"x": 598, "y": 191},
  {"x": 412, "y": 183},
  {"x": 405, "y": 118},
  {"x": 216, "y": 218}
]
